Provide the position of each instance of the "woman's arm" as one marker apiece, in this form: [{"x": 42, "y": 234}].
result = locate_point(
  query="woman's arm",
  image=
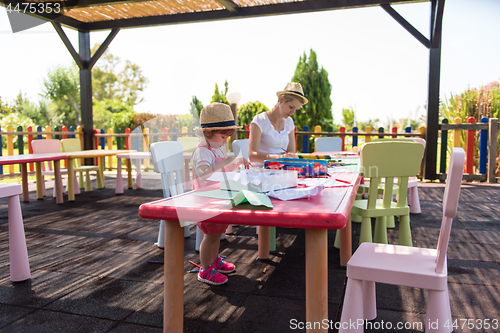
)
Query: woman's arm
[
  {"x": 254, "y": 144},
  {"x": 291, "y": 144}
]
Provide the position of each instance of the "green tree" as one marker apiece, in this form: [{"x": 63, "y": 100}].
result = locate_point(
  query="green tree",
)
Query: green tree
[
  {"x": 220, "y": 97},
  {"x": 348, "y": 119},
  {"x": 195, "y": 107},
  {"x": 317, "y": 89},
  {"x": 109, "y": 82},
  {"x": 246, "y": 112},
  {"x": 62, "y": 87},
  {"x": 5, "y": 109}
]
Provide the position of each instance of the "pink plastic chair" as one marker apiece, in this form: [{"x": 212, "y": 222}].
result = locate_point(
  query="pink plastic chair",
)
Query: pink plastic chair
[
  {"x": 19, "y": 264},
  {"x": 48, "y": 146},
  {"x": 408, "y": 266},
  {"x": 413, "y": 199}
]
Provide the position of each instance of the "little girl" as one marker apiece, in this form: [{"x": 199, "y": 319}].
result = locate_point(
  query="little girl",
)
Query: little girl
[{"x": 217, "y": 124}]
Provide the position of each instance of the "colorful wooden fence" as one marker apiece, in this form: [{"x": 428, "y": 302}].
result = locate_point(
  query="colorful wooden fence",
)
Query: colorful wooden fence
[{"x": 480, "y": 163}]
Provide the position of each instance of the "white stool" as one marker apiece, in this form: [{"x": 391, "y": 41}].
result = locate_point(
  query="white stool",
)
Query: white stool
[{"x": 19, "y": 264}]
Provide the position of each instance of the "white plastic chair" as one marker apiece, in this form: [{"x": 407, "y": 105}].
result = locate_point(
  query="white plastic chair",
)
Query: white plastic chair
[
  {"x": 241, "y": 147},
  {"x": 47, "y": 146},
  {"x": 408, "y": 266},
  {"x": 330, "y": 143},
  {"x": 168, "y": 161}
]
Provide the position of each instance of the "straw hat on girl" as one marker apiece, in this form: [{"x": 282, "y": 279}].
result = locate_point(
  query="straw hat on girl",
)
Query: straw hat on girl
[{"x": 217, "y": 116}]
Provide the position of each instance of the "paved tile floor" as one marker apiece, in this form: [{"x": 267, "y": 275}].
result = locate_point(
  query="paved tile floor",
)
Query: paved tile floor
[{"x": 91, "y": 270}]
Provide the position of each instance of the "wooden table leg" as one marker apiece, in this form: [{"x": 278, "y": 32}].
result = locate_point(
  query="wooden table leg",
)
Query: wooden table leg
[
  {"x": 24, "y": 177},
  {"x": 263, "y": 239},
  {"x": 316, "y": 277},
  {"x": 173, "y": 308},
  {"x": 39, "y": 180},
  {"x": 58, "y": 182},
  {"x": 119, "y": 178},
  {"x": 129, "y": 173},
  {"x": 71, "y": 180},
  {"x": 345, "y": 242},
  {"x": 101, "y": 168},
  {"x": 138, "y": 173}
]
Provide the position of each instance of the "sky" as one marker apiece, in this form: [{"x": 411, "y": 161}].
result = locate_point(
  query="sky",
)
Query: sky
[{"x": 374, "y": 65}]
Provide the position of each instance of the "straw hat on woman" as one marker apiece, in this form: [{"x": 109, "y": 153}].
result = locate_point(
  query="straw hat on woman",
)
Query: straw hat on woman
[{"x": 272, "y": 132}]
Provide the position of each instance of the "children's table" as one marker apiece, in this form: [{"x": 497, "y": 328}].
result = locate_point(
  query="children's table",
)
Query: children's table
[{"x": 328, "y": 210}]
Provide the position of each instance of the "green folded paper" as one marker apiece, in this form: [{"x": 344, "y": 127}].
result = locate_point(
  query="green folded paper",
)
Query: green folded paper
[{"x": 253, "y": 198}]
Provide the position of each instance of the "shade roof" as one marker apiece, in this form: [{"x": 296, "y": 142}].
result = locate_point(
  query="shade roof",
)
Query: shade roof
[{"x": 91, "y": 15}]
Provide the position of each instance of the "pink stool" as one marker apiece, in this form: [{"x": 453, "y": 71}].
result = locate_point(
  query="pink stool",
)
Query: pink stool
[{"x": 19, "y": 264}]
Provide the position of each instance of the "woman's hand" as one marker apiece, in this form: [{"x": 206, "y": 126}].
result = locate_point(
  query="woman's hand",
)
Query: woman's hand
[{"x": 289, "y": 155}]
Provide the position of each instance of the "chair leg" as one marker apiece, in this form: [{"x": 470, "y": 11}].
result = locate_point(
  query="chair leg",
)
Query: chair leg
[
  {"x": 369, "y": 300},
  {"x": 366, "y": 230},
  {"x": 336, "y": 244},
  {"x": 352, "y": 310},
  {"x": 438, "y": 312},
  {"x": 390, "y": 222},
  {"x": 414, "y": 200},
  {"x": 199, "y": 238},
  {"x": 356, "y": 218},
  {"x": 88, "y": 184},
  {"x": 161, "y": 235},
  {"x": 404, "y": 236},
  {"x": 381, "y": 230},
  {"x": 80, "y": 180},
  {"x": 44, "y": 193},
  {"x": 77, "y": 188},
  {"x": 18, "y": 253},
  {"x": 272, "y": 239},
  {"x": 100, "y": 181}
]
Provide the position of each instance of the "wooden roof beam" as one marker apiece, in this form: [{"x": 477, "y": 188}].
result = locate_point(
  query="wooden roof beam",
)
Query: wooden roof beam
[
  {"x": 405, "y": 24},
  {"x": 229, "y": 5}
]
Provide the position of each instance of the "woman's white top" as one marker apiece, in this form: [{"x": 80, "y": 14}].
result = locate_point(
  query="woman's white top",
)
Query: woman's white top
[{"x": 272, "y": 141}]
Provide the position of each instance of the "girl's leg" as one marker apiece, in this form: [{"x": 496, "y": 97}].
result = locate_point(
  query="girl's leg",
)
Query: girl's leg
[
  {"x": 208, "y": 246},
  {"x": 216, "y": 249}
]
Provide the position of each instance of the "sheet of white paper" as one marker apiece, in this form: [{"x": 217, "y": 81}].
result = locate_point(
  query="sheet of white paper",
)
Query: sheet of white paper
[
  {"x": 326, "y": 182},
  {"x": 221, "y": 176},
  {"x": 243, "y": 176},
  {"x": 296, "y": 192}
]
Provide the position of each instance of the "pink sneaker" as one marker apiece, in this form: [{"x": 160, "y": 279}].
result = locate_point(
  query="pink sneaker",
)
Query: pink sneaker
[
  {"x": 210, "y": 275},
  {"x": 223, "y": 266}
]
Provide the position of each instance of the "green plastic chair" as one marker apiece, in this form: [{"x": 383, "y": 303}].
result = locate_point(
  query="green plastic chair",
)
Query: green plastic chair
[
  {"x": 363, "y": 188},
  {"x": 381, "y": 162}
]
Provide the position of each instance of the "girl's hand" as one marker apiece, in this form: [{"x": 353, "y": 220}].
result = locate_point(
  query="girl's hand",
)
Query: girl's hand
[{"x": 244, "y": 161}]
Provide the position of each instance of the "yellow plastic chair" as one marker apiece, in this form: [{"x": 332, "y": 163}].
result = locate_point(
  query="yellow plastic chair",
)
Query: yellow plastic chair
[
  {"x": 70, "y": 145},
  {"x": 189, "y": 143},
  {"x": 383, "y": 161}
]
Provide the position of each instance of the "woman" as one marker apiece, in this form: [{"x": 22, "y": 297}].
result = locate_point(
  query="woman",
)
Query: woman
[{"x": 272, "y": 132}]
